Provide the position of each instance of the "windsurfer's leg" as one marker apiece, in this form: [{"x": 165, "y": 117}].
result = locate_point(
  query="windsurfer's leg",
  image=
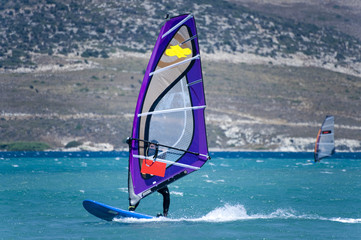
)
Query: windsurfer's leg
[{"x": 166, "y": 200}]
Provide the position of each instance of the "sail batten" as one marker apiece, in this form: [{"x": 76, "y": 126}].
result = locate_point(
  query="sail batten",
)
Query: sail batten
[
  {"x": 170, "y": 112},
  {"x": 195, "y": 82},
  {"x": 174, "y": 65},
  {"x": 167, "y": 161},
  {"x": 189, "y": 39},
  {"x": 177, "y": 26}
]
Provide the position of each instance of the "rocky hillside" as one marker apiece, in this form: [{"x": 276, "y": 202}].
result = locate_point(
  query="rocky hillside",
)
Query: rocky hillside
[
  {"x": 98, "y": 29},
  {"x": 71, "y": 70}
]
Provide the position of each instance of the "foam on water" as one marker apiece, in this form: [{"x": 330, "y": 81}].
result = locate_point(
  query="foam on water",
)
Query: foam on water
[
  {"x": 176, "y": 193},
  {"x": 224, "y": 165},
  {"x": 305, "y": 164},
  {"x": 230, "y": 213},
  {"x": 124, "y": 190},
  {"x": 215, "y": 181},
  {"x": 346, "y": 220}
]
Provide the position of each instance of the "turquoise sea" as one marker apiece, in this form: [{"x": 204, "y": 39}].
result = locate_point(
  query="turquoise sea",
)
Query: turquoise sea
[{"x": 236, "y": 195}]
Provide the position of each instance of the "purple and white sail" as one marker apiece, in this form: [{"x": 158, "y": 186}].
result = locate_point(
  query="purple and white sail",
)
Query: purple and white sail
[{"x": 169, "y": 111}]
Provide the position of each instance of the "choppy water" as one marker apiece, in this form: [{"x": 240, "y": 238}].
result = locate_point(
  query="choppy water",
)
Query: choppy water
[{"x": 234, "y": 196}]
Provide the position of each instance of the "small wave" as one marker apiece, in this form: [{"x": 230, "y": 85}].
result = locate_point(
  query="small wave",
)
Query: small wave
[
  {"x": 143, "y": 220},
  {"x": 176, "y": 193},
  {"x": 224, "y": 165},
  {"x": 214, "y": 181},
  {"x": 346, "y": 220},
  {"x": 226, "y": 214},
  {"x": 305, "y": 164},
  {"x": 125, "y": 190},
  {"x": 231, "y": 213},
  {"x": 238, "y": 212}
]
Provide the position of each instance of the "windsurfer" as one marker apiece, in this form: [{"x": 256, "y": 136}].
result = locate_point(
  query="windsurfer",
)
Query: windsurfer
[{"x": 153, "y": 150}]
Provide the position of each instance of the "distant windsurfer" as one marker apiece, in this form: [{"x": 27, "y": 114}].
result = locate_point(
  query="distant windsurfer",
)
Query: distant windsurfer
[{"x": 151, "y": 151}]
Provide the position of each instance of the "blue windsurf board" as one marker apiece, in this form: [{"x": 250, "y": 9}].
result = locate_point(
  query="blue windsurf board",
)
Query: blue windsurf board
[{"x": 108, "y": 213}]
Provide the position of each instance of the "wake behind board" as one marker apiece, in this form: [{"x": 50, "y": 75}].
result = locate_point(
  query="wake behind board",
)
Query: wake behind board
[{"x": 108, "y": 213}]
